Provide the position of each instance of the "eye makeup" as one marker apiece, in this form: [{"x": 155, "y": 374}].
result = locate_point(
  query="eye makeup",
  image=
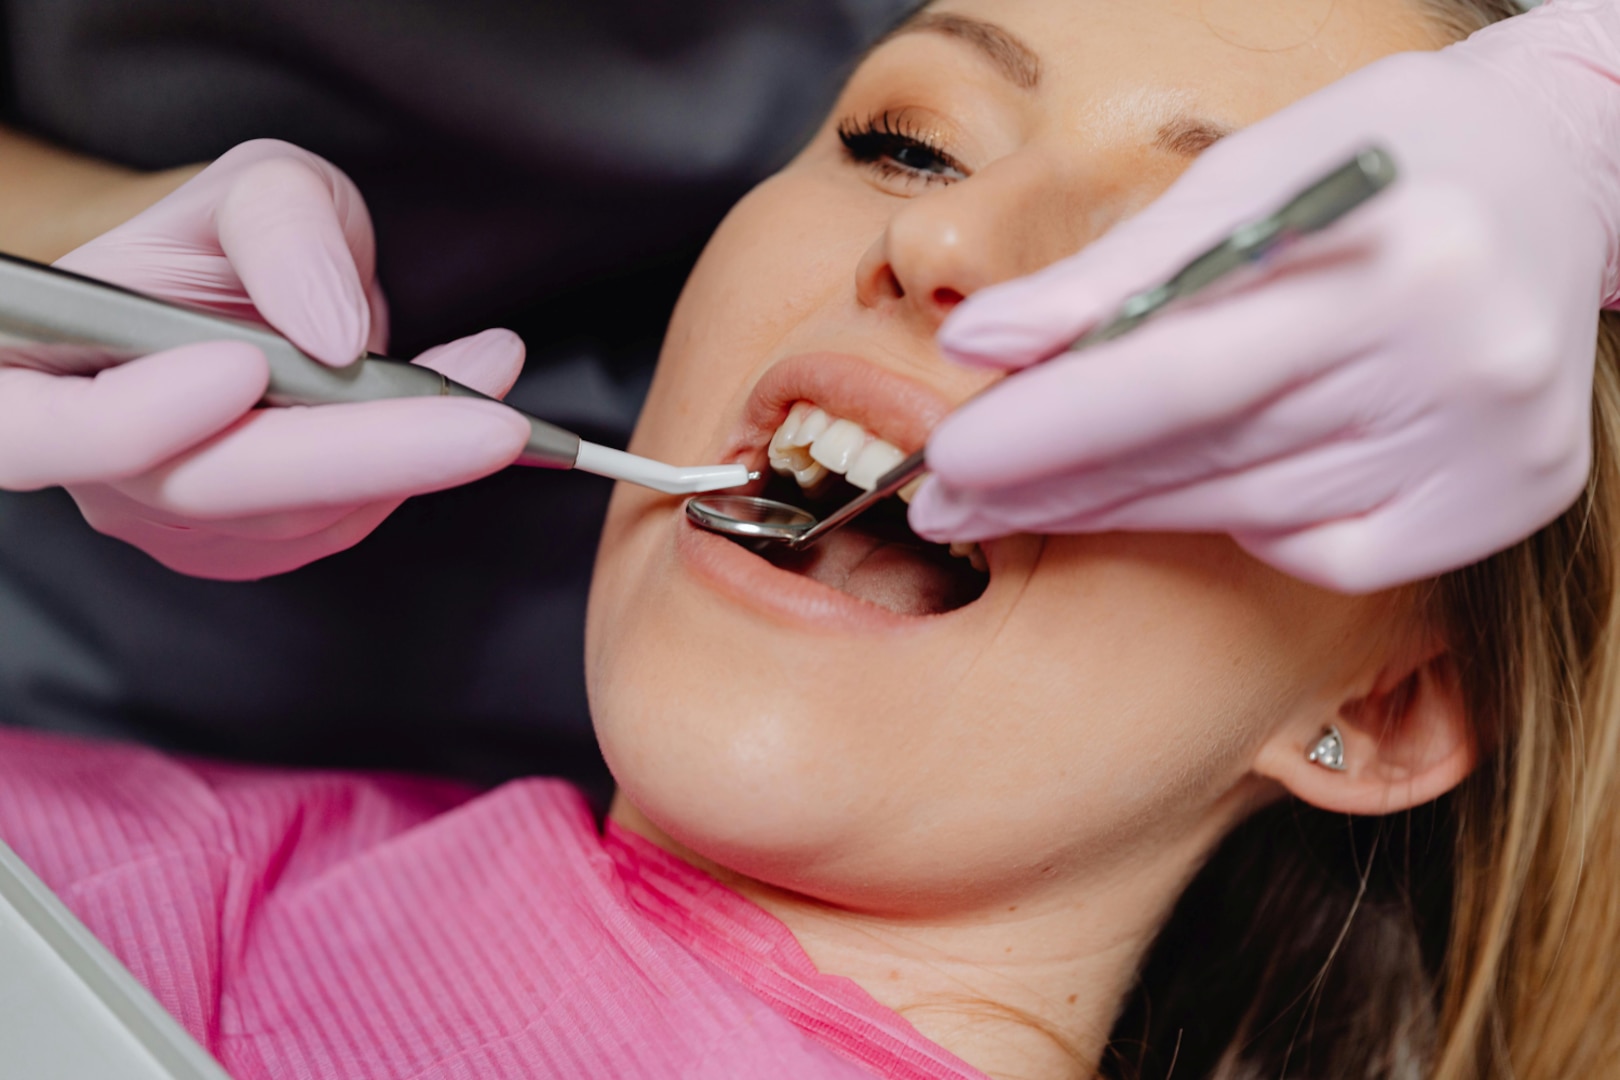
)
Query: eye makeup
[{"x": 897, "y": 146}]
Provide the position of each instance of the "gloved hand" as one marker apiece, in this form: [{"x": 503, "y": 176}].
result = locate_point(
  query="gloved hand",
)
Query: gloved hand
[
  {"x": 168, "y": 452},
  {"x": 1402, "y": 395}
]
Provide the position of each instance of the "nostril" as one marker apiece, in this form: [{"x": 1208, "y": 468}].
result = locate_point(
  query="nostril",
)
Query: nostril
[
  {"x": 947, "y": 298},
  {"x": 890, "y": 283}
]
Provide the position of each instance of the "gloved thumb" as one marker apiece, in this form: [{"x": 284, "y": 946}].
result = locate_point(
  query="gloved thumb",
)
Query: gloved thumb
[{"x": 299, "y": 238}]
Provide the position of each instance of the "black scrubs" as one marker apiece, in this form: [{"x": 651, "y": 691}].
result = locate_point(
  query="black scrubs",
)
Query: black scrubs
[{"x": 548, "y": 165}]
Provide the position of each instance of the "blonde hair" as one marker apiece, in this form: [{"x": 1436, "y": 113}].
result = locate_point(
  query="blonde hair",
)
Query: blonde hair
[{"x": 1535, "y": 935}]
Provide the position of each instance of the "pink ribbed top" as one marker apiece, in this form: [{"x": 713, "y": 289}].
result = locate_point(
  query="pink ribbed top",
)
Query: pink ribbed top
[{"x": 325, "y": 925}]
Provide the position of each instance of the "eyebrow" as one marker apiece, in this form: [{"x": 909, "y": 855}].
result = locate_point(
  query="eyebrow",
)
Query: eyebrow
[
  {"x": 1187, "y": 136},
  {"x": 1016, "y": 61}
]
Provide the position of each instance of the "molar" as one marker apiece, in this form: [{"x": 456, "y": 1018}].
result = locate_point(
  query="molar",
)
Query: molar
[{"x": 973, "y": 553}]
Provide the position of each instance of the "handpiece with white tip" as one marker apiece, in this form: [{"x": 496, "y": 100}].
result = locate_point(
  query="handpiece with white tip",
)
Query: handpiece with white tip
[
  {"x": 670, "y": 479},
  {"x": 61, "y": 321}
]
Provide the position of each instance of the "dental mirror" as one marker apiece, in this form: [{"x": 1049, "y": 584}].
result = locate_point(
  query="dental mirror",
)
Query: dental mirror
[
  {"x": 1369, "y": 171},
  {"x": 751, "y": 517}
]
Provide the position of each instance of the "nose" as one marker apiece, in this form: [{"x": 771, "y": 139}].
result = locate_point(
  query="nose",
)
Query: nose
[{"x": 938, "y": 248}]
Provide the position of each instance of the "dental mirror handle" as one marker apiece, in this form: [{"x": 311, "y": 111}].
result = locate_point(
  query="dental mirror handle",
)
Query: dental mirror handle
[
  {"x": 1321, "y": 204},
  {"x": 54, "y": 320}
]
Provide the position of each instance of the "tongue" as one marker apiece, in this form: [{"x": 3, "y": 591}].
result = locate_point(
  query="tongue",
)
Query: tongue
[{"x": 905, "y": 578}]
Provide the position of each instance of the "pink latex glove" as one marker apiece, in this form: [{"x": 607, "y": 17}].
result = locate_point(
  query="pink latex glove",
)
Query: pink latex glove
[
  {"x": 168, "y": 451},
  {"x": 1402, "y": 395}
]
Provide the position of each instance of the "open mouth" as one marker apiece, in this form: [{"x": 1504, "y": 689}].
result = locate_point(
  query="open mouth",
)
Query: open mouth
[{"x": 818, "y": 461}]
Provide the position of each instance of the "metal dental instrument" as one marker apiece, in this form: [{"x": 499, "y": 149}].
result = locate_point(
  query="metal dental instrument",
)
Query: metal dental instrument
[
  {"x": 1371, "y": 170},
  {"x": 57, "y": 321}
]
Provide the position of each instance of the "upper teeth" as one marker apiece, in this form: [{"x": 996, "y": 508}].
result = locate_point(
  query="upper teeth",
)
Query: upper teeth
[{"x": 811, "y": 443}]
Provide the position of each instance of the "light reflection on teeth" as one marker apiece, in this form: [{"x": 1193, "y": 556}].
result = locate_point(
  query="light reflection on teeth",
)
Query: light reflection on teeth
[
  {"x": 837, "y": 446},
  {"x": 875, "y": 459},
  {"x": 811, "y": 444}
]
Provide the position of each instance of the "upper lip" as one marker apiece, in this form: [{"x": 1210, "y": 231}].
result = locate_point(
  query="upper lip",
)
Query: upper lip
[{"x": 892, "y": 407}]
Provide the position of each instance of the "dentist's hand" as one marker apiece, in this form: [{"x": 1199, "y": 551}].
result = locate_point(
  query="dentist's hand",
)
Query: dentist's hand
[
  {"x": 169, "y": 453},
  {"x": 1400, "y": 396}
]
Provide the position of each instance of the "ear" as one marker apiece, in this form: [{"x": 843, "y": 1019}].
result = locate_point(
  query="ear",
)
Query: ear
[{"x": 1407, "y": 741}]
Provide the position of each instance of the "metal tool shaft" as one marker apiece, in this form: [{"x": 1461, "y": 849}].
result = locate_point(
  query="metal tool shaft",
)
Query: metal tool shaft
[{"x": 62, "y": 322}]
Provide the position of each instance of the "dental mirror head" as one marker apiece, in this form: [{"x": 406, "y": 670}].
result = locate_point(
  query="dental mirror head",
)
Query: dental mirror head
[{"x": 749, "y": 517}]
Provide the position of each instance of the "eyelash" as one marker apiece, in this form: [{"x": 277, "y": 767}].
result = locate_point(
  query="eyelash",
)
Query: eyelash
[{"x": 883, "y": 141}]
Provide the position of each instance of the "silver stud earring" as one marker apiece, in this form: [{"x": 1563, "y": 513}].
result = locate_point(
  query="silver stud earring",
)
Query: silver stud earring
[{"x": 1329, "y": 750}]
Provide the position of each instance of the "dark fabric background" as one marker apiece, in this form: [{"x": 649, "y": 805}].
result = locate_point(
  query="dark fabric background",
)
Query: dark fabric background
[{"x": 548, "y": 166}]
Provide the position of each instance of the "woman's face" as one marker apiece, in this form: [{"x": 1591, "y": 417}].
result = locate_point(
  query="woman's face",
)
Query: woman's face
[{"x": 839, "y": 727}]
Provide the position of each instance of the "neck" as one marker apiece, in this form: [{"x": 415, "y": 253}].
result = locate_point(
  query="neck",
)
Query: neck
[
  {"x": 1027, "y": 988},
  {"x": 1017, "y": 993}
]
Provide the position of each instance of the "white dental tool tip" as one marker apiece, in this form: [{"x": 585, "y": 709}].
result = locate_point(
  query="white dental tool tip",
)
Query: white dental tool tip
[{"x": 670, "y": 479}]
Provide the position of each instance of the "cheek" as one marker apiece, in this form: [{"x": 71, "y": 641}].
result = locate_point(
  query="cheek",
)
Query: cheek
[
  {"x": 781, "y": 261},
  {"x": 1140, "y": 674}
]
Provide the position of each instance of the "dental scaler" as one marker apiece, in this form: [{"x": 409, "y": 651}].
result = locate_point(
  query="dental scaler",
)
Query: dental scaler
[
  {"x": 1369, "y": 171},
  {"x": 58, "y": 321}
]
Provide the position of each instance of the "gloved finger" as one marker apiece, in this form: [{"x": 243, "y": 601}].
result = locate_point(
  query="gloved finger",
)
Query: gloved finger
[
  {"x": 282, "y": 527},
  {"x": 1025, "y": 321},
  {"x": 224, "y": 560},
  {"x": 489, "y": 362},
  {"x": 1017, "y": 323},
  {"x": 1165, "y": 384},
  {"x": 174, "y": 249},
  {"x": 1340, "y": 480},
  {"x": 1360, "y": 555},
  {"x": 1305, "y": 452},
  {"x": 207, "y": 553},
  {"x": 290, "y": 234},
  {"x": 1204, "y": 365},
  {"x": 1102, "y": 500},
  {"x": 126, "y": 419},
  {"x": 103, "y": 505},
  {"x": 281, "y": 460},
  {"x": 1429, "y": 525},
  {"x": 182, "y": 274}
]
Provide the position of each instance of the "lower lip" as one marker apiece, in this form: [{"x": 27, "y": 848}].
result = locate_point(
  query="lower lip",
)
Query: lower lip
[{"x": 753, "y": 582}]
